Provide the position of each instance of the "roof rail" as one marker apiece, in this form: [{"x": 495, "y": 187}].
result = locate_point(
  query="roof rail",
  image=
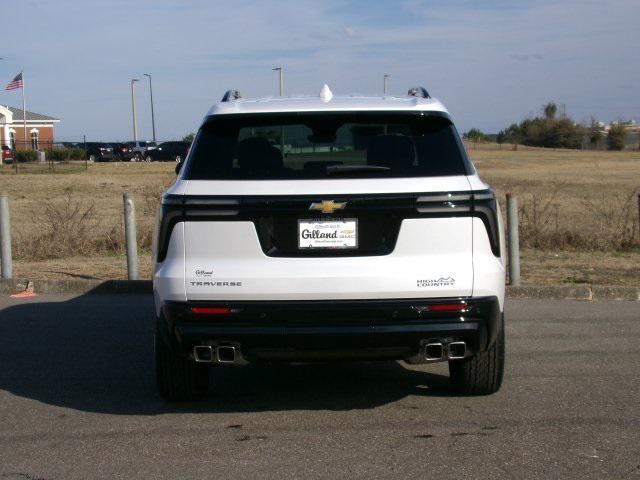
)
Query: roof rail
[
  {"x": 231, "y": 95},
  {"x": 418, "y": 92}
]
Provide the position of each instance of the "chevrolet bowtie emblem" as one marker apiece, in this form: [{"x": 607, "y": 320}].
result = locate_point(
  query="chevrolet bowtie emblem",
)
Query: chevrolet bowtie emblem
[{"x": 327, "y": 206}]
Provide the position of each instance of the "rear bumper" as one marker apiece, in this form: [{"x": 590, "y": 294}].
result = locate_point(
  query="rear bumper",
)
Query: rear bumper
[{"x": 324, "y": 329}]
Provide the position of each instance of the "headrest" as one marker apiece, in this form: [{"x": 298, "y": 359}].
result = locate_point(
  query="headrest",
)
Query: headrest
[{"x": 257, "y": 153}]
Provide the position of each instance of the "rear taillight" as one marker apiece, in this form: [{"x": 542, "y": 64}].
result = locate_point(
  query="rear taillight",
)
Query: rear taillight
[
  {"x": 177, "y": 208},
  {"x": 458, "y": 307},
  {"x": 480, "y": 203},
  {"x": 447, "y": 307},
  {"x": 444, "y": 203},
  {"x": 212, "y": 310}
]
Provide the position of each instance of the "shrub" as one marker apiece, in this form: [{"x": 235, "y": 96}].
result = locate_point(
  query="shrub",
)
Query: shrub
[
  {"x": 609, "y": 222},
  {"x": 76, "y": 154},
  {"x": 551, "y": 133},
  {"x": 615, "y": 137},
  {"x": 546, "y": 131},
  {"x": 56, "y": 154},
  {"x": 22, "y": 156},
  {"x": 63, "y": 154},
  {"x": 475, "y": 135},
  {"x": 66, "y": 228}
]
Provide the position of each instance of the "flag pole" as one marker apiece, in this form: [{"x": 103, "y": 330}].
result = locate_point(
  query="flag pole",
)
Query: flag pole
[{"x": 24, "y": 111}]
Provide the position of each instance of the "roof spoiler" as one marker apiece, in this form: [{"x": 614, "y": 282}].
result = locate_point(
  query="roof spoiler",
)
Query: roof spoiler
[
  {"x": 420, "y": 92},
  {"x": 230, "y": 95}
]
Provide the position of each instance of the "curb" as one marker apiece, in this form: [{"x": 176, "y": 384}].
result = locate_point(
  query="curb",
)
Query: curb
[
  {"x": 89, "y": 287},
  {"x": 83, "y": 287},
  {"x": 559, "y": 292}
]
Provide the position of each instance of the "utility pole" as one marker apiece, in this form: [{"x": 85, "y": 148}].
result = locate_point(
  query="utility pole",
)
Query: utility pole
[
  {"x": 24, "y": 113},
  {"x": 153, "y": 118},
  {"x": 133, "y": 108},
  {"x": 385, "y": 89},
  {"x": 279, "y": 69}
]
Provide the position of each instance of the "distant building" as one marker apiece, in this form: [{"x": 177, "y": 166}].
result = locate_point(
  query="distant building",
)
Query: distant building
[
  {"x": 40, "y": 134},
  {"x": 630, "y": 126}
]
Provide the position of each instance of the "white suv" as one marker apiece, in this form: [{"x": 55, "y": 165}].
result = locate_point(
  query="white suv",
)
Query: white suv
[{"x": 317, "y": 228}]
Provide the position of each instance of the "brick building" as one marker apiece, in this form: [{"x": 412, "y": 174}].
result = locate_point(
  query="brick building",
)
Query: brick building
[{"x": 40, "y": 129}]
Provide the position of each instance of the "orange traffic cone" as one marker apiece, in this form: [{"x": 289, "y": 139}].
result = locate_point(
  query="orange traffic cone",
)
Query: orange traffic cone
[{"x": 26, "y": 293}]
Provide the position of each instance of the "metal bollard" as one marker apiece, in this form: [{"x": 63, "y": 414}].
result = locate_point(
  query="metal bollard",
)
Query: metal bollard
[
  {"x": 130, "y": 237},
  {"x": 514, "y": 240},
  {"x": 5, "y": 238}
]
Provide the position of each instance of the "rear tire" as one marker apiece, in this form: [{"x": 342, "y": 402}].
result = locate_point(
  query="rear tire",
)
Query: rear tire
[
  {"x": 481, "y": 374},
  {"x": 178, "y": 378}
]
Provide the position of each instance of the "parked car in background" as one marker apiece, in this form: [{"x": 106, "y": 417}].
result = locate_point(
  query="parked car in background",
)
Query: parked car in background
[
  {"x": 139, "y": 149},
  {"x": 122, "y": 151},
  {"x": 168, "y": 151},
  {"x": 99, "y": 152},
  {"x": 7, "y": 153}
]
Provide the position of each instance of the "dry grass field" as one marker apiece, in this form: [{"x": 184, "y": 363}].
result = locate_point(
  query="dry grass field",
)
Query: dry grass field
[{"x": 579, "y": 214}]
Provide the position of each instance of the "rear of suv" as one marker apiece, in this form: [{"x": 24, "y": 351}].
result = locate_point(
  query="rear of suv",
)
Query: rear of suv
[
  {"x": 98, "y": 152},
  {"x": 321, "y": 228}
]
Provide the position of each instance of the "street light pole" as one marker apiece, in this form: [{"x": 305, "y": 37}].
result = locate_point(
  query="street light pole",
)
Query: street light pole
[
  {"x": 133, "y": 108},
  {"x": 153, "y": 118},
  {"x": 279, "y": 69},
  {"x": 386, "y": 77}
]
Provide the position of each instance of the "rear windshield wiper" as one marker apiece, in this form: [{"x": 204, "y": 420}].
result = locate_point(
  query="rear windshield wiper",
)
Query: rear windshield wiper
[{"x": 337, "y": 169}]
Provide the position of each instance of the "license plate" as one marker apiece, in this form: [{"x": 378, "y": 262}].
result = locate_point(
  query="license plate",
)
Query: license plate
[{"x": 335, "y": 233}]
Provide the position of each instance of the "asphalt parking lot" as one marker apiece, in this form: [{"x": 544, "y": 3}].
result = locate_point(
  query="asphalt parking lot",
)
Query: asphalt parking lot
[{"x": 78, "y": 400}]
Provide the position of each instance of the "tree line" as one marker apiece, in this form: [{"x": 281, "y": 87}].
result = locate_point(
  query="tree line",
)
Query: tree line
[{"x": 552, "y": 131}]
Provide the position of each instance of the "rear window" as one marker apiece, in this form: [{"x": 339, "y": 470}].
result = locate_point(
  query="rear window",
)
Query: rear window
[{"x": 326, "y": 145}]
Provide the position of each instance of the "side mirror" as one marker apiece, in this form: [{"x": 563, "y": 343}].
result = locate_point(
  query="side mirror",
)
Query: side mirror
[{"x": 179, "y": 167}]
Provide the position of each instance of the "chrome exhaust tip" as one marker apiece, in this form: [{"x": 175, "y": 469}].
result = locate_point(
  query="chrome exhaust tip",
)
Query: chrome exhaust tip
[
  {"x": 226, "y": 354},
  {"x": 433, "y": 351},
  {"x": 203, "y": 353},
  {"x": 457, "y": 350}
]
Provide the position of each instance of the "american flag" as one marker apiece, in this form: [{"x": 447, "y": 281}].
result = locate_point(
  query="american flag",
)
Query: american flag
[{"x": 15, "y": 83}]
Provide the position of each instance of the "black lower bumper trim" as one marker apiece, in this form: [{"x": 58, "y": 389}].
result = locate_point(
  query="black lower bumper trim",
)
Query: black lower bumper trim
[{"x": 344, "y": 325}]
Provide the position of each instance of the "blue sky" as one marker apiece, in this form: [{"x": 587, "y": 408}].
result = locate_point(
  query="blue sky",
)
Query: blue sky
[{"x": 492, "y": 63}]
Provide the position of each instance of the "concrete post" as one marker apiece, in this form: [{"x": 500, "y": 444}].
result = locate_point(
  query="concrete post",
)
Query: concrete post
[
  {"x": 5, "y": 238},
  {"x": 130, "y": 237},
  {"x": 514, "y": 240}
]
